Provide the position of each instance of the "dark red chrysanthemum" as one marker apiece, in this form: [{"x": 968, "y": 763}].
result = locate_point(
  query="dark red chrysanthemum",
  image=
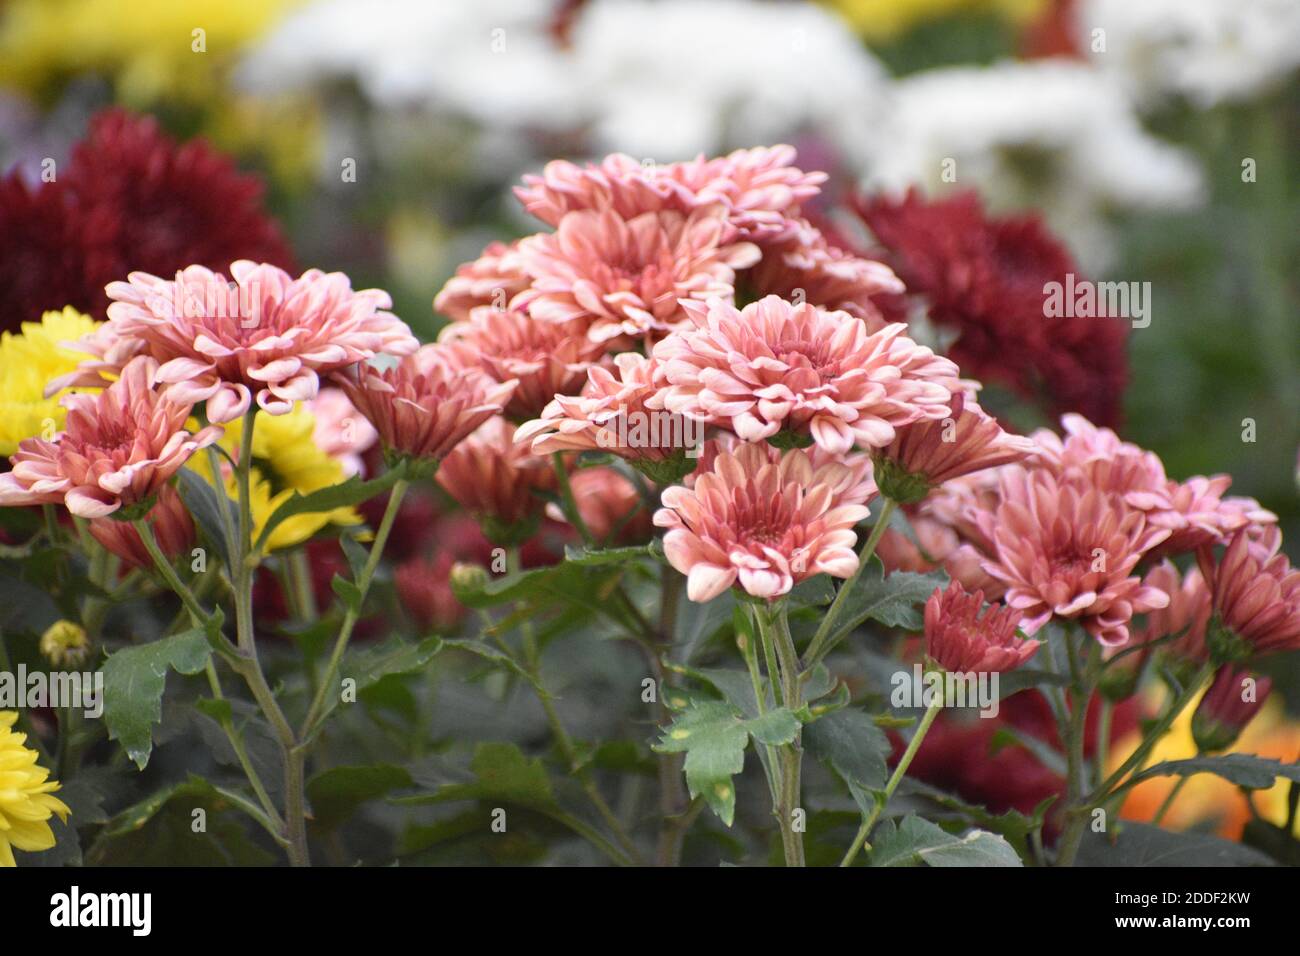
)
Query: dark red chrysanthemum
[
  {"x": 984, "y": 278},
  {"x": 129, "y": 199}
]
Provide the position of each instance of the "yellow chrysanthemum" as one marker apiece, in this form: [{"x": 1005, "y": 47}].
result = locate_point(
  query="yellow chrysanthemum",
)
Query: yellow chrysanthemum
[
  {"x": 149, "y": 47},
  {"x": 286, "y": 459},
  {"x": 887, "y": 19},
  {"x": 65, "y": 644},
  {"x": 25, "y": 802},
  {"x": 27, "y": 362},
  {"x": 1206, "y": 798}
]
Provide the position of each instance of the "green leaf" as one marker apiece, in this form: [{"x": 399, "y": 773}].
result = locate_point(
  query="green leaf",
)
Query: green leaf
[
  {"x": 501, "y": 772},
  {"x": 1245, "y": 770},
  {"x": 134, "y": 680},
  {"x": 816, "y": 591},
  {"x": 336, "y": 793},
  {"x": 347, "y": 592},
  {"x": 488, "y": 653},
  {"x": 1140, "y": 844},
  {"x": 849, "y": 742},
  {"x": 352, "y": 492},
  {"x": 713, "y": 735},
  {"x": 594, "y": 556},
  {"x": 894, "y": 601},
  {"x": 369, "y": 666},
  {"x": 203, "y": 503},
  {"x": 917, "y": 842}
]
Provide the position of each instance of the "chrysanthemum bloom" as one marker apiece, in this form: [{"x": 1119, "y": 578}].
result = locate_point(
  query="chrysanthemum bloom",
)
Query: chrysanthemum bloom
[
  {"x": 849, "y": 476},
  {"x": 428, "y": 402},
  {"x": 493, "y": 279},
  {"x": 625, "y": 277},
  {"x": 984, "y": 278},
  {"x": 119, "y": 448},
  {"x": 619, "y": 412},
  {"x": 609, "y": 505},
  {"x": 27, "y": 363},
  {"x": 65, "y": 644},
  {"x": 494, "y": 479},
  {"x": 26, "y": 801},
  {"x": 962, "y": 640},
  {"x": 1068, "y": 551},
  {"x": 759, "y": 188},
  {"x": 1187, "y": 615},
  {"x": 929, "y": 452},
  {"x": 1255, "y": 596},
  {"x": 777, "y": 367},
  {"x": 268, "y": 336},
  {"x": 1230, "y": 703},
  {"x": 339, "y": 429},
  {"x": 807, "y": 268},
  {"x": 172, "y": 527},
  {"x": 129, "y": 198},
  {"x": 546, "y": 358},
  {"x": 766, "y": 527}
]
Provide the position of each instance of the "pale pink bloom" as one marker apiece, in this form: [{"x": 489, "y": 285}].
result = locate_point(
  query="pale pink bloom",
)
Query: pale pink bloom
[
  {"x": 1099, "y": 458},
  {"x": 624, "y": 277},
  {"x": 170, "y": 521},
  {"x": 267, "y": 337},
  {"x": 1198, "y": 513},
  {"x": 1068, "y": 550},
  {"x": 967, "y": 506},
  {"x": 931, "y": 451},
  {"x": 428, "y": 402},
  {"x": 546, "y": 358},
  {"x": 849, "y": 475},
  {"x": 494, "y": 480},
  {"x": 963, "y": 640},
  {"x": 610, "y": 506},
  {"x": 340, "y": 430},
  {"x": 1188, "y": 612},
  {"x": 779, "y": 367},
  {"x": 1255, "y": 596},
  {"x": 764, "y": 525},
  {"x": 618, "y": 412},
  {"x": 117, "y": 450},
  {"x": 493, "y": 279},
  {"x": 759, "y": 188},
  {"x": 807, "y": 268}
]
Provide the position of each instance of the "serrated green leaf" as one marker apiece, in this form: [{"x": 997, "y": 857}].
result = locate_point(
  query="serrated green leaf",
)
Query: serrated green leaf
[
  {"x": 134, "y": 681},
  {"x": 854, "y": 747},
  {"x": 918, "y": 842},
  {"x": 895, "y": 601},
  {"x": 1245, "y": 770}
]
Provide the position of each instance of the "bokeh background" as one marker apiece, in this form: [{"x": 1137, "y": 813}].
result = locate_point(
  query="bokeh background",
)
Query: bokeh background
[{"x": 1157, "y": 139}]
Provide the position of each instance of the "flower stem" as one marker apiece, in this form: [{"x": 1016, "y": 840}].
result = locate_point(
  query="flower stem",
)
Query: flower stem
[
  {"x": 822, "y": 642},
  {"x": 567, "y": 502},
  {"x": 1168, "y": 801},
  {"x": 900, "y": 770},
  {"x": 774, "y": 626}
]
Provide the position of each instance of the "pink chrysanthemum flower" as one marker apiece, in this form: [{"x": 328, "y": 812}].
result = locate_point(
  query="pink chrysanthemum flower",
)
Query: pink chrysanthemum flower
[
  {"x": 546, "y": 358},
  {"x": 625, "y": 277},
  {"x": 963, "y": 641},
  {"x": 609, "y": 505},
  {"x": 849, "y": 475},
  {"x": 1187, "y": 615},
  {"x": 764, "y": 525},
  {"x": 929, "y": 452},
  {"x": 268, "y": 336},
  {"x": 426, "y": 404},
  {"x": 620, "y": 412},
  {"x": 340, "y": 430},
  {"x": 759, "y": 188},
  {"x": 170, "y": 521},
  {"x": 494, "y": 480},
  {"x": 777, "y": 367},
  {"x": 493, "y": 279},
  {"x": 1069, "y": 550},
  {"x": 119, "y": 447},
  {"x": 1255, "y": 597}
]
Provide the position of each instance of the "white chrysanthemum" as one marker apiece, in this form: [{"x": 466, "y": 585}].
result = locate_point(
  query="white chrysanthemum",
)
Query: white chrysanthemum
[
  {"x": 1210, "y": 51},
  {"x": 1051, "y": 135}
]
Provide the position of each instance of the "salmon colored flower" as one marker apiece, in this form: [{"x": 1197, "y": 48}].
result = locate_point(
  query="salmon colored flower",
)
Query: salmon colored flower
[
  {"x": 619, "y": 412},
  {"x": 172, "y": 527},
  {"x": 849, "y": 475},
  {"x": 493, "y": 279},
  {"x": 1068, "y": 551},
  {"x": 625, "y": 277},
  {"x": 547, "y": 359},
  {"x": 429, "y": 402},
  {"x": 929, "y": 452},
  {"x": 1187, "y": 615},
  {"x": 1255, "y": 597},
  {"x": 267, "y": 337},
  {"x": 609, "y": 505},
  {"x": 494, "y": 480},
  {"x": 119, "y": 448},
  {"x": 964, "y": 640},
  {"x": 764, "y": 525},
  {"x": 777, "y": 367},
  {"x": 759, "y": 189}
]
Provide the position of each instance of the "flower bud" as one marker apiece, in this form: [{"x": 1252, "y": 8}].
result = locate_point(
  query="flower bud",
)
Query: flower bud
[
  {"x": 65, "y": 644},
  {"x": 1233, "y": 700}
]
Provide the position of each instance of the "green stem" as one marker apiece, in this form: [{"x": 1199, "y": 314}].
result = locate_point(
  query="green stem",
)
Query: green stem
[
  {"x": 241, "y": 753},
  {"x": 1168, "y": 801},
  {"x": 774, "y": 625},
  {"x": 169, "y": 574},
  {"x": 567, "y": 502},
  {"x": 899, "y": 771},
  {"x": 822, "y": 642}
]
